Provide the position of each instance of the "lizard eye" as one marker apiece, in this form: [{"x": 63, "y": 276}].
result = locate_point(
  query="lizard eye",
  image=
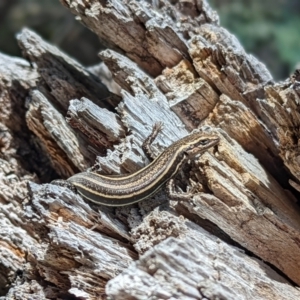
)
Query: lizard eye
[{"x": 204, "y": 142}]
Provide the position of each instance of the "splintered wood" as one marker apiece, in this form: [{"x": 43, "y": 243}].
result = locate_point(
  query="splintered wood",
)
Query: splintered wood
[{"x": 238, "y": 237}]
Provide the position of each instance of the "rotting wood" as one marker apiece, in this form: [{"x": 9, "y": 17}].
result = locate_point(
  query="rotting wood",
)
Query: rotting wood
[
  {"x": 242, "y": 185},
  {"x": 180, "y": 268}
]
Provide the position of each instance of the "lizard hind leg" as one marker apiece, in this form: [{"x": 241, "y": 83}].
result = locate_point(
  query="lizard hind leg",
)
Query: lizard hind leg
[{"x": 176, "y": 196}]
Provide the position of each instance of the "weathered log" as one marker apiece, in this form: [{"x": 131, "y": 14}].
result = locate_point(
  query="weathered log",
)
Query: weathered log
[{"x": 171, "y": 63}]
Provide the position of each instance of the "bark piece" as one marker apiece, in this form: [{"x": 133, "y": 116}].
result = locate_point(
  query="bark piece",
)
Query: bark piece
[
  {"x": 101, "y": 126},
  {"x": 189, "y": 96},
  {"x": 43, "y": 119},
  {"x": 198, "y": 266},
  {"x": 19, "y": 156},
  {"x": 64, "y": 77},
  {"x": 222, "y": 62},
  {"x": 17, "y": 144},
  {"x": 132, "y": 32},
  {"x": 280, "y": 111},
  {"x": 249, "y": 205},
  {"x": 245, "y": 127},
  {"x": 148, "y": 38},
  {"x": 73, "y": 254},
  {"x": 61, "y": 73}
]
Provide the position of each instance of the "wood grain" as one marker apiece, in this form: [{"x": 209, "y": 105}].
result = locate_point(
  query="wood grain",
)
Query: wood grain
[{"x": 237, "y": 238}]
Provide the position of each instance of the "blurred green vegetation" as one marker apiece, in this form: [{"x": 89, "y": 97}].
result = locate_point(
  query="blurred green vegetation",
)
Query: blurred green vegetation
[
  {"x": 268, "y": 29},
  {"x": 50, "y": 20}
]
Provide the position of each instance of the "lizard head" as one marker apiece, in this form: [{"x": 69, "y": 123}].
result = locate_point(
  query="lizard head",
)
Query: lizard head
[{"x": 198, "y": 142}]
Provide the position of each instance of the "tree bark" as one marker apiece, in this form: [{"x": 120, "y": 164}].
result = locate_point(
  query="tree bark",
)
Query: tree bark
[{"x": 238, "y": 237}]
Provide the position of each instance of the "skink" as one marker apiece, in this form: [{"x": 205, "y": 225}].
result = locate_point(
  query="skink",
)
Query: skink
[{"x": 127, "y": 189}]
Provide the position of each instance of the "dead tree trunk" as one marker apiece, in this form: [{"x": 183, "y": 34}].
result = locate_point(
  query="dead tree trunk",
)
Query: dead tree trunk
[{"x": 237, "y": 238}]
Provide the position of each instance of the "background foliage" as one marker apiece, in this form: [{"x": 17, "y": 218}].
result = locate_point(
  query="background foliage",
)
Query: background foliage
[
  {"x": 53, "y": 22},
  {"x": 269, "y": 29}
]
